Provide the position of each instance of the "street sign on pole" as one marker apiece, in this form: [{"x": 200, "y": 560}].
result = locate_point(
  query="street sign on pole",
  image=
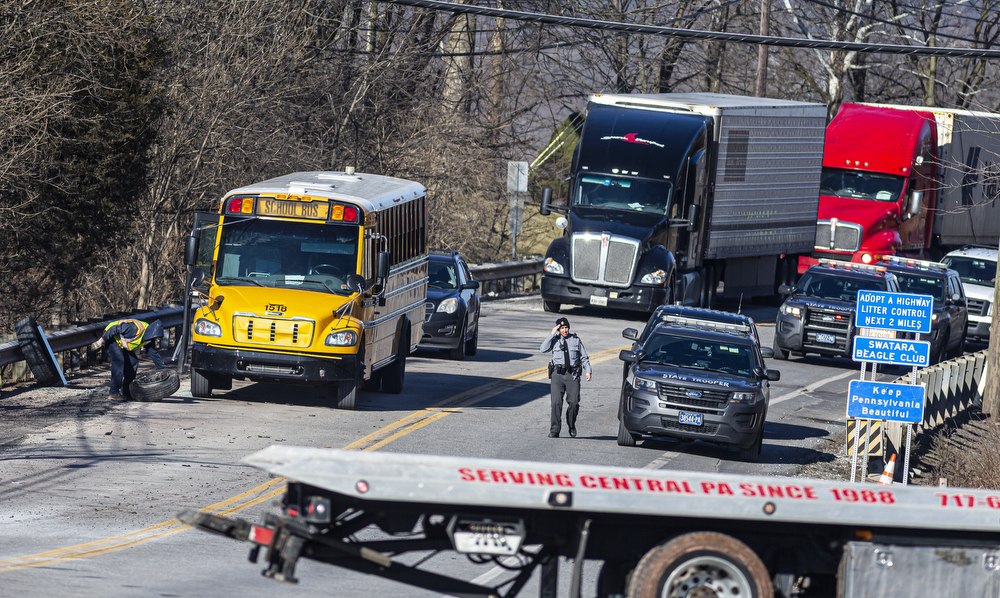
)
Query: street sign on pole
[
  {"x": 892, "y": 351},
  {"x": 894, "y": 311},
  {"x": 517, "y": 177},
  {"x": 886, "y": 401}
]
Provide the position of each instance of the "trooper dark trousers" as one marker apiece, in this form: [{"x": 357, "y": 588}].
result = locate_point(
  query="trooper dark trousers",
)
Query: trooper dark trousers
[
  {"x": 123, "y": 366},
  {"x": 570, "y": 386}
]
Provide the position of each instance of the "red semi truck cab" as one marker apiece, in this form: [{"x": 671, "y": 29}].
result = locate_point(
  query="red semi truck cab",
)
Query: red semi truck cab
[{"x": 878, "y": 185}]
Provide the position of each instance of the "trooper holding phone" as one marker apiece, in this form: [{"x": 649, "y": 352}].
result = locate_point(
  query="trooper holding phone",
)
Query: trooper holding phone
[{"x": 569, "y": 362}]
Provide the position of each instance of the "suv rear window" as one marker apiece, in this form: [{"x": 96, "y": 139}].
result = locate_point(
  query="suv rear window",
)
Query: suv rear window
[
  {"x": 973, "y": 270},
  {"x": 920, "y": 284}
]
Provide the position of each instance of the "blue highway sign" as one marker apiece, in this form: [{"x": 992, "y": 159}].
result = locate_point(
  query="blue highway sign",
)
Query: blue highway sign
[
  {"x": 894, "y": 311},
  {"x": 882, "y": 400},
  {"x": 892, "y": 351}
]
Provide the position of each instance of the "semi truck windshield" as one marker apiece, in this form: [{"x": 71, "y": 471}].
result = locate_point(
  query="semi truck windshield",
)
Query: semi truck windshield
[
  {"x": 281, "y": 254},
  {"x": 614, "y": 193},
  {"x": 861, "y": 185}
]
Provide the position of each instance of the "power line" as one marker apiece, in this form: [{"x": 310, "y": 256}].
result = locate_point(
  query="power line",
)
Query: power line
[
  {"x": 695, "y": 34},
  {"x": 891, "y": 23}
]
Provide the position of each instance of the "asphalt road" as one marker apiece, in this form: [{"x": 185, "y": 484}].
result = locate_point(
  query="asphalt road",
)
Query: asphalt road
[{"x": 89, "y": 488}]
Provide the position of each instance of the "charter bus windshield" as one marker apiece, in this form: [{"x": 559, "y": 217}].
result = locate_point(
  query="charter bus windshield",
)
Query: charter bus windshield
[{"x": 315, "y": 278}]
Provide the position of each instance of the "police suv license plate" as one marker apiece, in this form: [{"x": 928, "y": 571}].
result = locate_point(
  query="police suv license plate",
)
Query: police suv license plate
[
  {"x": 690, "y": 419},
  {"x": 596, "y": 300},
  {"x": 828, "y": 339}
]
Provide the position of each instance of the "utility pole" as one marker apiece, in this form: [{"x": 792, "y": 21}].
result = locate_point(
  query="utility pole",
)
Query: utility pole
[{"x": 765, "y": 22}]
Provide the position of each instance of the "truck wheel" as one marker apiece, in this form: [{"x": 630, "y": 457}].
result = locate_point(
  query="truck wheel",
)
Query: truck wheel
[
  {"x": 458, "y": 353},
  {"x": 701, "y": 564},
  {"x": 779, "y": 353},
  {"x": 392, "y": 376},
  {"x": 472, "y": 345},
  {"x": 33, "y": 347},
  {"x": 626, "y": 438},
  {"x": 156, "y": 386},
  {"x": 201, "y": 384},
  {"x": 551, "y": 306}
]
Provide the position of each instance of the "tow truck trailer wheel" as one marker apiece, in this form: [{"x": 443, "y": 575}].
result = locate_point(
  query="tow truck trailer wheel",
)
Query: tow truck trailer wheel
[{"x": 700, "y": 564}]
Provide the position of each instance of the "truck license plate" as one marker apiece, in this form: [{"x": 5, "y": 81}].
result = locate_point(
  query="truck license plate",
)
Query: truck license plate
[
  {"x": 595, "y": 300},
  {"x": 690, "y": 419},
  {"x": 822, "y": 337}
]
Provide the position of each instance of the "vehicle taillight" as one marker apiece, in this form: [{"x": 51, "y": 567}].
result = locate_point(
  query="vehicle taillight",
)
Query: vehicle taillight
[
  {"x": 236, "y": 205},
  {"x": 350, "y": 214}
]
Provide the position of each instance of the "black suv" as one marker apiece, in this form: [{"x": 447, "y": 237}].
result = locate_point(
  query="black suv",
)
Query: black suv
[
  {"x": 950, "y": 318},
  {"x": 818, "y": 316},
  {"x": 451, "y": 319},
  {"x": 697, "y": 378}
]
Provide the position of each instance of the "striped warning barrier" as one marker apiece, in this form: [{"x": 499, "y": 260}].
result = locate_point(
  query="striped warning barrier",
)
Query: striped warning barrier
[{"x": 871, "y": 433}]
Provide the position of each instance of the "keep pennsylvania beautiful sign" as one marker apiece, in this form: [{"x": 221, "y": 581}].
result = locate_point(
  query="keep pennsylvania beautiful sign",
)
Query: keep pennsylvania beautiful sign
[{"x": 882, "y": 400}]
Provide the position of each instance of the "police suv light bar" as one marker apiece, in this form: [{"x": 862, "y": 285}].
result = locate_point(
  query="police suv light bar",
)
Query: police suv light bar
[
  {"x": 851, "y": 266},
  {"x": 707, "y": 323},
  {"x": 925, "y": 264}
]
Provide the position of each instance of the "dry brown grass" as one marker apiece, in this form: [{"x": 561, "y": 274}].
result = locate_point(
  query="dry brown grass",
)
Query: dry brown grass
[{"x": 968, "y": 456}]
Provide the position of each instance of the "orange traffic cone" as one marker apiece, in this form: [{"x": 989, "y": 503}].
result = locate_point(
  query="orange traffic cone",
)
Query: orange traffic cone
[{"x": 890, "y": 467}]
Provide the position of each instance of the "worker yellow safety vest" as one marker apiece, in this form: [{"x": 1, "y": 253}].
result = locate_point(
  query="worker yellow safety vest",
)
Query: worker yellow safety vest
[{"x": 130, "y": 343}]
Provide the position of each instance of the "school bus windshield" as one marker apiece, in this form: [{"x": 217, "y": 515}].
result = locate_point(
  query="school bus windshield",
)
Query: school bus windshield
[{"x": 290, "y": 255}]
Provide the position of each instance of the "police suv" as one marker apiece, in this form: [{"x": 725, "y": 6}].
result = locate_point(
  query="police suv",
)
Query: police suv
[
  {"x": 818, "y": 316},
  {"x": 697, "y": 379},
  {"x": 950, "y": 318}
]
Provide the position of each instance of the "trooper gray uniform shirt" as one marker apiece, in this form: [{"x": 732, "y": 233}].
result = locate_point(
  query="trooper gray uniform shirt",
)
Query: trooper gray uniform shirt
[{"x": 577, "y": 353}]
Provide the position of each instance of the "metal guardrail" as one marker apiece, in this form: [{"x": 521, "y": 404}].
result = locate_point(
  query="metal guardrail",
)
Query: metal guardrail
[
  {"x": 79, "y": 337},
  {"x": 488, "y": 272},
  {"x": 76, "y": 338}
]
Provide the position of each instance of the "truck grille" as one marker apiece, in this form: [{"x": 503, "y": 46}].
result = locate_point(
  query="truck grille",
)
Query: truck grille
[
  {"x": 672, "y": 393},
  {"x": 832, "y": 235},
  {"x": 978, "y": 307},
  {"x": 604, "y": 259}
]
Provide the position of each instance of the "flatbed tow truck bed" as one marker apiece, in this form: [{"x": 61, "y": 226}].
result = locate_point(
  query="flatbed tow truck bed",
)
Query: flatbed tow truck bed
[{"x": 659, "y": 532}]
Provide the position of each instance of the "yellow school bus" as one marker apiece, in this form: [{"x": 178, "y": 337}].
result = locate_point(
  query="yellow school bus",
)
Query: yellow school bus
[{"x": 313, "y": 278}]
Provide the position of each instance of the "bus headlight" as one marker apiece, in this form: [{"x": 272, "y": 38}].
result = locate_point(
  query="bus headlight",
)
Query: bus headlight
[
  {"x": 553, "y": 267},
  {"x": 657, "y": 277},
  {"x": 341, "y": 338},
  {"x": 207, "y": 328},
  {"x": 448, "y": 306}
]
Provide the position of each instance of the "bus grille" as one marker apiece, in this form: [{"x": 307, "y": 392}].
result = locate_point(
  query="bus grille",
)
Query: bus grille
[
  {"x": 252, "y": 329},
  {"x": 838, "y": 236},
  {"x": 604, "y": 259}
]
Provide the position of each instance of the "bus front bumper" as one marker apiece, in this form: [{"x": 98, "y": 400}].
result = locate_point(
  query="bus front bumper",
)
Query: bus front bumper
[{"x": 259, "y": 366}]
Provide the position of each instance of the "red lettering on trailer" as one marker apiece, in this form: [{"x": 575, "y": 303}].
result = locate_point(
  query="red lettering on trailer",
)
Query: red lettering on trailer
[
  {"x": 517, "y": 477},
  {"x": 621, "y": 483},
  {"x": 720, "y": 488},
  {"x": 563, "y": 480},
  {"x": 789, "y": 491},
  {"x": 654, "y": 485},
  {"x": 482, "y": 474},
  {"x": 498, "y": 476},
  {"x": 683, "y": 488},
  {"x": 466, "y": 474}
]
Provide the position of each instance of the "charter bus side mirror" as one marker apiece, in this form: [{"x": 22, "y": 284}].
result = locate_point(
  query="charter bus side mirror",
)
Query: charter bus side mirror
[{"x": 630, "y": 334}]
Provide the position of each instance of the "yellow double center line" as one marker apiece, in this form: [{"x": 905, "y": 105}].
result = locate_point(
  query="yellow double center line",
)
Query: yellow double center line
[{"x": 275, "y": 487}]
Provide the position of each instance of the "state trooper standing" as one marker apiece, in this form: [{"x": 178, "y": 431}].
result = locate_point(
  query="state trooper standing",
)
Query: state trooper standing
[{"x": 569, "y": 362}]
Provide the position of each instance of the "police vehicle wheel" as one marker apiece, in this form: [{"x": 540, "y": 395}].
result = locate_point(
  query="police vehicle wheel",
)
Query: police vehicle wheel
[
  {"x": 752, "y": 454},
  {"x": 626, "y": 438},
  {"x": 392, "y": 377},
  {"x": 551, "y": 306},
  {"x": 33, "y": 347},
  {"x": 201, "y": 384},
  {"x": 472, "y": 345},
  {"x": 155, "y": 386},
  {"x": 700, "y": 564},
  {"x": 779, "y": 353},
  {"x": 458, "y": 353}
]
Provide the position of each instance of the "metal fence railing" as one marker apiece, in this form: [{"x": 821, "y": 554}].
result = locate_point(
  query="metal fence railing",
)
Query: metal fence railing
[{"x": 70, "y": 345}]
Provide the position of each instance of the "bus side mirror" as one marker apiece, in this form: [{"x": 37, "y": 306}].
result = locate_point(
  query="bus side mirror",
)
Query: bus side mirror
[
  {"x": 190, "y": 250},
  {"x": 382, "y": 265},
  {"x": 356, "y": 283},
  {"x": 546, "y": 200}
]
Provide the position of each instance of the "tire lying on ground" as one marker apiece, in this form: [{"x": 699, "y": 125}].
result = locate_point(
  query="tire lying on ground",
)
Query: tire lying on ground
[
  {"x": 154, "y": 386},
  {"x": 33, "y": 347}
]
